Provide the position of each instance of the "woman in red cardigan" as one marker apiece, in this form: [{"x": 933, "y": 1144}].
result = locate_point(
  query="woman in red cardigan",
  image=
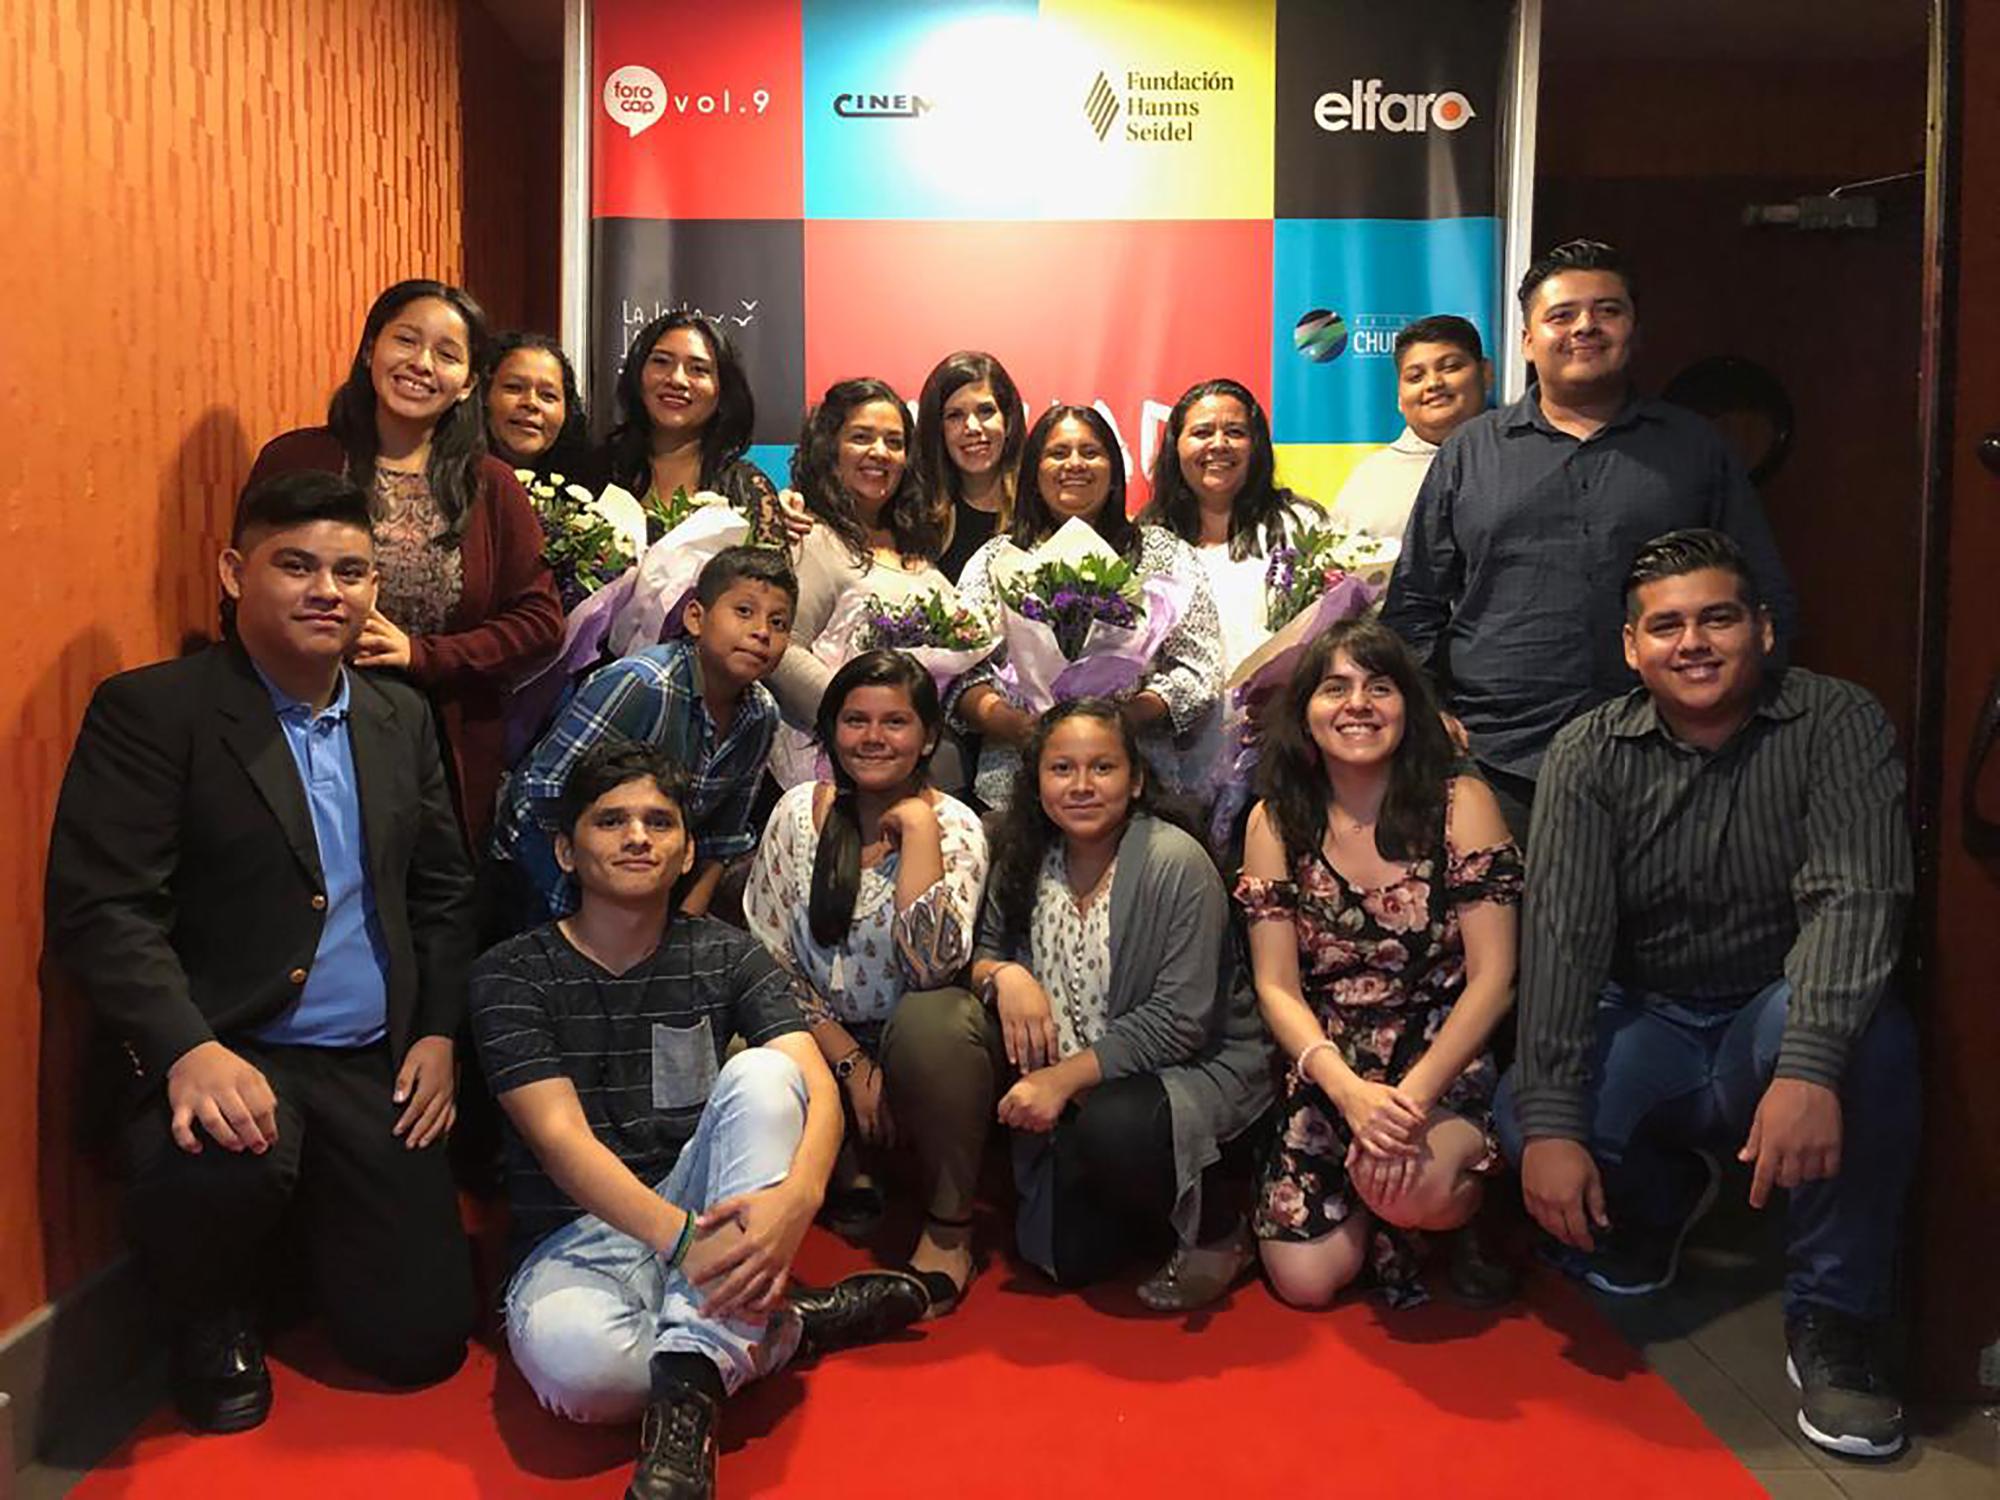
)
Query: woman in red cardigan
[{"x": 466, "y": 607}]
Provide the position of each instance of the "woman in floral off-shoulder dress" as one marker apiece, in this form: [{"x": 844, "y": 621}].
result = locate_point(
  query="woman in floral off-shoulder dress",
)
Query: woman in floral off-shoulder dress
[{"x": 1380, "y": 889}]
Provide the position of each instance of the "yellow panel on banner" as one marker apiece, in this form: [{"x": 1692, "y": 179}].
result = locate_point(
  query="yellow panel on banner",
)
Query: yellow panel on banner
[
  {"x": 1172, "y": 110},
  {"x": 1318, "y": 470}
]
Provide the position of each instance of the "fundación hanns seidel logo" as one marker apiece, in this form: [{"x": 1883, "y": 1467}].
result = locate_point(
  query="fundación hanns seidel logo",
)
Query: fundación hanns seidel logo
[
  {"x": 1367, "y": 108},
  {"x": 636, "y": 98},
  {"x": 1100, "y": 106}
]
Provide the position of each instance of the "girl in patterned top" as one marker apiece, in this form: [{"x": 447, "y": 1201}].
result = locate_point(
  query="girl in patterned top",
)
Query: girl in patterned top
[
  {"x": 1380, "y": 887},
  {"x": 869, "y": 890},
  {"x": 466, "y": 607}
]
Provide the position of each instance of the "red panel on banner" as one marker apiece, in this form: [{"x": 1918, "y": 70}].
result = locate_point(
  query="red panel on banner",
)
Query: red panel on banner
[
  {"x": 1131, "y": 313},
  {"x": 698, "y": 111}
]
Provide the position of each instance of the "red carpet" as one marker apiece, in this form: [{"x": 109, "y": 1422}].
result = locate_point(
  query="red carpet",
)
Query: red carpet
[{"x": 1024, "y": 1394}]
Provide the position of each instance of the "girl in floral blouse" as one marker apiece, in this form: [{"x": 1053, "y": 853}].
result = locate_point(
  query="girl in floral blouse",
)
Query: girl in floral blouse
[
  {"x": 1380, "y": 887},
  {"x": 869, "y": 889}
]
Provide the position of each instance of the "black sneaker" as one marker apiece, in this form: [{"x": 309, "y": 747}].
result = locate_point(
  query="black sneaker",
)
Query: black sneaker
[
  {"x": 676, "y": 1449},
  {"x": 1847, "y": 1406},
  {"x": 1637, "y": 1261},
  {"x": 857, "y": 1309}
]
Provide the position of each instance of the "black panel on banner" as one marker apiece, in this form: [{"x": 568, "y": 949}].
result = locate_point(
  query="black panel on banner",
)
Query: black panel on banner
[
  {"x": 1389, "y": 109},
  {"x": 746, "y": 274}
]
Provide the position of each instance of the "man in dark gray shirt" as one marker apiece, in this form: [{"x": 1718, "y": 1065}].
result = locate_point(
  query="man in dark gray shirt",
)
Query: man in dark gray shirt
[
  {"x": 1508, "y": 586},
  {"x": 1714, "y": 912},
  {"x": 660, "y": 1186}
]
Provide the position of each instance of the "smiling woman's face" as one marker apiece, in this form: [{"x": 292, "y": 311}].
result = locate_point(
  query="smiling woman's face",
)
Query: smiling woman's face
[
  {"x": 1075, "y": 472},
  {"x": 1087, "y": 780},
  {"x": 879, "y": 738}
]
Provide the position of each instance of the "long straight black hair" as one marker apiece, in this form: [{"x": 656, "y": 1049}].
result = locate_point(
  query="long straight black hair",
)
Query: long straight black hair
[
  {"x": 628, "y": 448},
  {"x": 458, "y": 441},
  {"x": 1293, "y": 773},
  {"x": 836, "y": 874},
  {"x": 1259, "y": 516},
  {"x": 1034, "y": 522}
]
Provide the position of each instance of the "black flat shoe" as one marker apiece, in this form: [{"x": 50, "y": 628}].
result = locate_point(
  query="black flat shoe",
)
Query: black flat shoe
[
  {"x": 858, "y": 1309},
  {"x": 853, "y": 1212},
  {"x": 943, "y": 1293},
  {"x": 220, "y": 1383}
]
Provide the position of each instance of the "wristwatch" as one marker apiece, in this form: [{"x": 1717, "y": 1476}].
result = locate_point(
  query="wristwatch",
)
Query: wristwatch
[{"x": 844, "y": 1069}]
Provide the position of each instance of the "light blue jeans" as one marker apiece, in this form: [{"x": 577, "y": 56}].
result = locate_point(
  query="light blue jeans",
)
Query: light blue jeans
[{"x": 591, "y": 1306}]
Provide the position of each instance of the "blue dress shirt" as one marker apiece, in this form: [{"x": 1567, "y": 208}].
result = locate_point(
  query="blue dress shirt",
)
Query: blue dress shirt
[{"x": 345, "y": 1000}]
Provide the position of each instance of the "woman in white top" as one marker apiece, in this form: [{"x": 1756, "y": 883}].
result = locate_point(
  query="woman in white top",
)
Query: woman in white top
[
  {"x": 868, "y": 889},
  {"x": 1071, "y": 467},
  {"x": 1215, "y": 487}
]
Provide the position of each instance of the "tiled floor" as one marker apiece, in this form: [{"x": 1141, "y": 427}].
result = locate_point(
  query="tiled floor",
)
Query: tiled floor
[{"x": 1717, "y": 1336}]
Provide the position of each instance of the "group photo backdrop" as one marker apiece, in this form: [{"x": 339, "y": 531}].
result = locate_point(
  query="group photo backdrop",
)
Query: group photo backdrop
[{"x": 1117, "y": 198}]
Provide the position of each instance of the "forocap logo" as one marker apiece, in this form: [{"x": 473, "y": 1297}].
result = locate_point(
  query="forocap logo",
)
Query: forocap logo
[
  {"x": 637, "y": 99},
  {"x": 1367, "y": 108}
]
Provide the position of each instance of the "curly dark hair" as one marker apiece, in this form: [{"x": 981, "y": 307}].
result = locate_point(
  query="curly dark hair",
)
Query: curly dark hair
[
  {"x": 1292, "y": 777},
  {"x": 915, "y": 520},
  {"x": 1021, "y": 833},
  {"x": 1258, "y": 516}
]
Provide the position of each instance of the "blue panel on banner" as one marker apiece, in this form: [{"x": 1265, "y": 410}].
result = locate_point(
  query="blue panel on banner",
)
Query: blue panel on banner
[
  {"x": 775, "y": 459},
  {"x": 1340, "y": 288},
  {"x": 910, "y": 108}
]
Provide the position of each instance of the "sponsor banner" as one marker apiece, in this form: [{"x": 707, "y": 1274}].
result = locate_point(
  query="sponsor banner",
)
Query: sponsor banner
[
  {"x": 1389, "y": 111},
  {"x": 746, "y": 274},
  {"x": 1340, "y": 290},
  {"x": 1078, "y": 312},
  {"x": 696, "y": 110}
]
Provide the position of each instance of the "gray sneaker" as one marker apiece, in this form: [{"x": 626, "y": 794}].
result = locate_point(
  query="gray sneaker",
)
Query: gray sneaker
[{"x": 1847, "y": 1406}]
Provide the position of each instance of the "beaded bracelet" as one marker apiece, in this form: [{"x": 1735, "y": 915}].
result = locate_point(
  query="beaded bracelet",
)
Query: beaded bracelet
[{"x": 1299, "y": 1063}]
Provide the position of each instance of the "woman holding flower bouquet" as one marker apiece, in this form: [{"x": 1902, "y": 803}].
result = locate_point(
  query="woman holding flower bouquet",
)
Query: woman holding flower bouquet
[
  {"x": 685, "y": 415},
  {"x": 1072, "y": 470},
  {"x": 466, "y": 606},
  {"x": 1380, "y": 887},
  {"x": 879, "y": 534},
  {"x": 1104, "y": 951},
  {"x": 868, "y": 890},
  {"x": 1215, "y": 487}
]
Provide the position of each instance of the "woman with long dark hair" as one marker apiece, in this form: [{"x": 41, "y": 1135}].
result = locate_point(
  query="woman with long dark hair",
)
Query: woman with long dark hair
[
  {"x": 685, "y": 418},
  {"x": 466, "y": 606},
  {"x": 534, "y": 408},
  {"x": 1104, "y": 950},
  {"x": 1071, "y": 467},
  {"x": 970, "y": 427},
  {"x": 869, "y": 889},
  {"x": 1215, "y": 487},
  {"x": 1380, "y": 887},
  {"x": 877, "y": 530}
]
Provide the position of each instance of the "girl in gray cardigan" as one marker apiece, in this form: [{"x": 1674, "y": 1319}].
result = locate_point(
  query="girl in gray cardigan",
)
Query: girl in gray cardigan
[{"x": 1104, "y": 950}]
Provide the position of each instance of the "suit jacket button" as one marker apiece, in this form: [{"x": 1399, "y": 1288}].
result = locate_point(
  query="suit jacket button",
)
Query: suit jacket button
[
  {"x": 319, "y": 903},
  {"x": 297, "y": 976}
]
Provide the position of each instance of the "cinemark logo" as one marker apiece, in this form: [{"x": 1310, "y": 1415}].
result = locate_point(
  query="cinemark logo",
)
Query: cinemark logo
[
  {"x": 1101, "y": 108},
  {"x": 1368, "y": 108}
]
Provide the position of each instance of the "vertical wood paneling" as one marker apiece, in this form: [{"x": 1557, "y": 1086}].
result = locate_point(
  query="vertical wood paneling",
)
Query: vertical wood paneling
[{"x": 203, "y": 196}]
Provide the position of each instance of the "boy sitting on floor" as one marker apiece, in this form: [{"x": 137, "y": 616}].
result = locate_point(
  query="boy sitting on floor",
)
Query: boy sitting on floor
[
  {"x": 658, "y": 1193},
  {"x": 699, "y": 698}
]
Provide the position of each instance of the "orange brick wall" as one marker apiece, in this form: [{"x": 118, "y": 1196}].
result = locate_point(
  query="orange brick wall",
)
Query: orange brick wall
[{"x": 202, "y": 196}]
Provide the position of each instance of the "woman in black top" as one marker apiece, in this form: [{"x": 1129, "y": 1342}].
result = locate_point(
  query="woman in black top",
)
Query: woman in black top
[{"x": 970, "y": 428}]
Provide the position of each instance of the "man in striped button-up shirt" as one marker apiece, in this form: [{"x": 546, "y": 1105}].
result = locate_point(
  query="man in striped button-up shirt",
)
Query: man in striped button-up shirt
[{"x": 1719, "y": 875}]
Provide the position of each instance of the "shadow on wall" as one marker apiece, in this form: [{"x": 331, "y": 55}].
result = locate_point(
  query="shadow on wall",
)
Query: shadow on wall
[{"x": 198, "y": 489}]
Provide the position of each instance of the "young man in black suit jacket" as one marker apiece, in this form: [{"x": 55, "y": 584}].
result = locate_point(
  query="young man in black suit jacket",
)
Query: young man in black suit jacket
[{"x": 258, "y": 880}]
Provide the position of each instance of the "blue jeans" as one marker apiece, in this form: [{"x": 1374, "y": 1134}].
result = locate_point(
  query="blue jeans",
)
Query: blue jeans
[
  {"x": 591, "y": 1306},
  {"x": 1668, "y": 1077}
]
